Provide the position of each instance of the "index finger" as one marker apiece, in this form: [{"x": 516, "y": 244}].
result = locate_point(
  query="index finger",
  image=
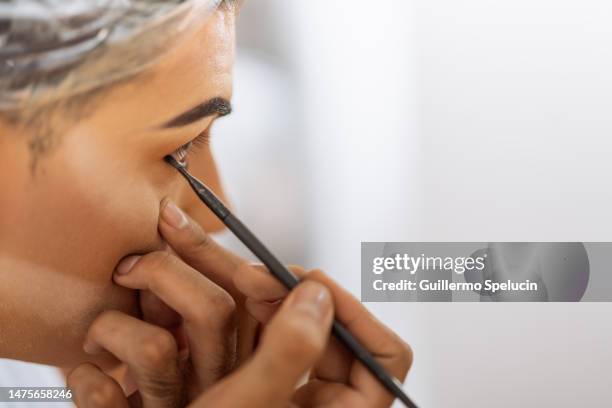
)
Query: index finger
[{"x": 197, "y": 248}]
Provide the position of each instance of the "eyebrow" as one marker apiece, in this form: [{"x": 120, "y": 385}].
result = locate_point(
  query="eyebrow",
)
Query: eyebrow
[
  {"x": 215, "y": 106},
  {"x": 229, "y": 4}
]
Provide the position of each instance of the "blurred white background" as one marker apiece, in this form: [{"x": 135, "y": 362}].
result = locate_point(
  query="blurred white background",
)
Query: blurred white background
[{"x": 435, "y": 120}]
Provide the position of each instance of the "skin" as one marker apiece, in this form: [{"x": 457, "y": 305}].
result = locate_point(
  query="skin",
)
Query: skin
[
  {"x": 295, "y": 338},
  {"x": 101, "y": 188},
  {"x": 104, "y": 275}
]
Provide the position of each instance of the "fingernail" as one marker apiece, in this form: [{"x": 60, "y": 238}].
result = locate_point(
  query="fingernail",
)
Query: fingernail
[
  {"x": 174, "y": 216},
  {"x": 127, "y": 264},
  {"x": 312, "y": 299}
]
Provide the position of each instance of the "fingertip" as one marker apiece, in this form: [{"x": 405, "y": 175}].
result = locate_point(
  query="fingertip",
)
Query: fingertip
[
  {"x": 297, "y": 270},
  {"x": 126, "y": 265},
  {"x": 175, "y": 221},
  {"x": 172, "y": 215},
  {"x": 189, "y": 238},
  {"x": 129, "y": 281}
]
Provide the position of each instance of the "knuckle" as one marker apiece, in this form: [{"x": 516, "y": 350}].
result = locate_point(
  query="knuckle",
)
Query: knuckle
[
  {"x": 225, "y": 304},
  {"x": 407, "y": 355},
  {"x": 401, "y": 356},
  {"x": 100, "y": 323},
  {"x": 157, "y": 351},
  {"x": 202, "y": 243},
  {"x": 74, "y": 379},
  {"x": 220, "y": 312},
  {"x": 92, "y": 388},
  {"x": 305, "y": 341}
]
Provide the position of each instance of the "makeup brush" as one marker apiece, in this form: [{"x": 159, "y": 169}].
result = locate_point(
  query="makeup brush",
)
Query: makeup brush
[{"x": 287, "y": 278}]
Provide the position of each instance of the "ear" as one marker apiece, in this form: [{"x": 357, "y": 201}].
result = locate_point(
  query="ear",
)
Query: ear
[{"x": 202, "y": 165}]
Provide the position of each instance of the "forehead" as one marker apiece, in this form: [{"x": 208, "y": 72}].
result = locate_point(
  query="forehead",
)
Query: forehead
[{"x": 197, "y": 68}]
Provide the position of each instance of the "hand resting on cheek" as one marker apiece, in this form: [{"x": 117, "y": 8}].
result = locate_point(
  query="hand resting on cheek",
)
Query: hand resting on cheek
[{"x": 219, "y": 331}]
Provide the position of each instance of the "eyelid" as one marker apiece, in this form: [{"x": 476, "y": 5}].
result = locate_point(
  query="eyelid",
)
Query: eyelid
[
  {"x": 182, "y": 153},
  {"x": 202, "y": 139}
]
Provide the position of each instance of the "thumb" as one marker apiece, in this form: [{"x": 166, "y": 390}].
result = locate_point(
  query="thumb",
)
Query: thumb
[{"x": 290, "y": 346}]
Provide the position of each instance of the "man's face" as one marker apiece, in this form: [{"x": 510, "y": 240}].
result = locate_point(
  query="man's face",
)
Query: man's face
[{"x": 95, "y": 198}]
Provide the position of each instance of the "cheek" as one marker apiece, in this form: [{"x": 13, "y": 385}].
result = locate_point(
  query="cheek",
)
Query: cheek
[
  {"x": 85, "y": 209},
  {"x": 46, "y": 313},
  {"x": 103, "y": 207}
]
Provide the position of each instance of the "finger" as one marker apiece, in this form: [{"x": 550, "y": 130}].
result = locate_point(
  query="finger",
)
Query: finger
[
  {"x": 155, "y": 311},
  {"x": 289, "y": 347},
  {"x": 197, "y": 248},
  {"x": 257, "y": 283},
  {"x": 262, "y": 287},
  {"x": 262, "y": 311},
  {"x": 335, "y": 364},
  {"x": 91, "y": 388},
  {"x": 264, "y": 293},
  {"x": 149, "y": 351},
  {"x": 318, "y": 393},
  {"x": 208, "y": 311},
  {"x": 388, "y": 348}
]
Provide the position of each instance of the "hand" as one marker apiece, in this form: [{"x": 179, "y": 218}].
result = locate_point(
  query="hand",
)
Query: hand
[
  {"x": 172, "y": 370},
  {"x": 337, "y": 379},
  {"x": 193, "y": 330}
]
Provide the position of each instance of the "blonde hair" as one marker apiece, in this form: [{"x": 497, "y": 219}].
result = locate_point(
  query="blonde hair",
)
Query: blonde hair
[
  {"x": 56, "y": 55},
  {"x": 56, "y": 49}
]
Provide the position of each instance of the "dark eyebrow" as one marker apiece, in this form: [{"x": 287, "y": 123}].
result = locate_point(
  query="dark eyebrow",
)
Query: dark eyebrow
[
  {"x": 215, "y": 106},
  {"x": 228, "y": 3}
]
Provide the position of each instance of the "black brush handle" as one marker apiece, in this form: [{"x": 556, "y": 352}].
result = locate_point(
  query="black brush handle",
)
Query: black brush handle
[{"x": 288, "y": 279}]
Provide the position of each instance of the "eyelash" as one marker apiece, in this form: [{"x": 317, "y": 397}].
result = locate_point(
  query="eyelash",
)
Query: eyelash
[{"x": 181, "y": 154}]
